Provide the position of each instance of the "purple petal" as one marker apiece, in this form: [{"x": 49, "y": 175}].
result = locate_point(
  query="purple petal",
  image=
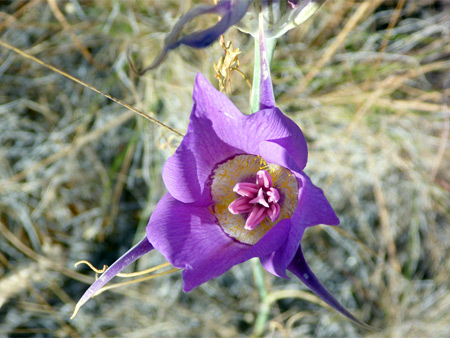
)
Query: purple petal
[
  {"x": 186, "y": 173},
  {"x": 293, "y": 3},
  {"x": 266, "y": 98},
  {"x": 277, "y": 261},
  {"x": 129, "y": 257},
  {"x": 312, "y": 209},
  {"x": 242, "y": 132},
  {"x": 299, "y": 268},
  {"x": 216, "y": 132},
  {"x": 289, "y": 152},
  {"x": 190, "y": 239}
]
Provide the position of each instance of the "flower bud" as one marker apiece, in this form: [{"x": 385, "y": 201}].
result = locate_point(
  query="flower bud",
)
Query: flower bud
[{"x": 280, "y": 16}]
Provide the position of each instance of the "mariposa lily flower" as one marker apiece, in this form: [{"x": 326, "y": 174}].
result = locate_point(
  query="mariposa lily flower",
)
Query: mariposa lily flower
[{"x": 236, "y": 190}]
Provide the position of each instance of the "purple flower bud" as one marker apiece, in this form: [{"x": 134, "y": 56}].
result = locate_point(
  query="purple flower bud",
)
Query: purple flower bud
[{"x": 280, "y": 16}]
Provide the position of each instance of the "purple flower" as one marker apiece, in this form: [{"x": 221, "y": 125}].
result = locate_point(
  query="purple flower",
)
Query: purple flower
[{"x": 236, "y": 190}]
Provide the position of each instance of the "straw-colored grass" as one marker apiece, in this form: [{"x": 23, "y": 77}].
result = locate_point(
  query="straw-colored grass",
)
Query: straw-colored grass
[{"x": 367, "y": 81}]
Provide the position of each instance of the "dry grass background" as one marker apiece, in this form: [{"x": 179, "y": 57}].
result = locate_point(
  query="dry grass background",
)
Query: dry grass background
[{"x": 368, "y": 83}]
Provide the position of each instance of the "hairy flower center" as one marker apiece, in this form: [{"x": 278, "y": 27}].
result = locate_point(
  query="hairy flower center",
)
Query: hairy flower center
[
  {"x": 259, "y": 200},
  {"x": 251, "y": 196}
]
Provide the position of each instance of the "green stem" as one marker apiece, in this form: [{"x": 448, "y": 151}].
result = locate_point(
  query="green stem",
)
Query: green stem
[
  {"x": 258, "y": 276},
  {"x": 270, "y": 46}
]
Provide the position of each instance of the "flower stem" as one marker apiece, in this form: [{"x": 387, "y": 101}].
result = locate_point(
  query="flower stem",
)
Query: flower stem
[
  {"x": 258, "y": 276},
  {"x": 263, "y": 315}
]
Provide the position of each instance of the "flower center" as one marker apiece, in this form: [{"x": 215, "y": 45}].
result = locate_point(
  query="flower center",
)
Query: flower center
[
  {"x": 259, "y": 200},
  {"x": 251, "y": 196}
]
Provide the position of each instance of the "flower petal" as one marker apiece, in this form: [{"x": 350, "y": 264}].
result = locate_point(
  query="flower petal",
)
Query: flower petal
[
  {"x": 266, "y": 97},
  {"x": 129, "y": 257},
  {"x": 244, "y": 132},
  {"x": 312, "y": 209},
  {"x": 190, "y": 239},
  {"x": 288, "y": 152},
  {"x": 276, "y": 262},
  {"x": 186, "y": 173},
  {"x": 299, "y": 268}
]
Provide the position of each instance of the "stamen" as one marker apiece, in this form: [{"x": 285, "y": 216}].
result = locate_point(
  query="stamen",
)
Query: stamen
[
  {"x": 240, "y": 206},
  {"x": 263, "y": 179},
  {"x": 255, "y": 217},
  {"x": 246, "y": 189},
  {"x": 274, "y": 195},
  {"x": 274, "y": 212}
]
